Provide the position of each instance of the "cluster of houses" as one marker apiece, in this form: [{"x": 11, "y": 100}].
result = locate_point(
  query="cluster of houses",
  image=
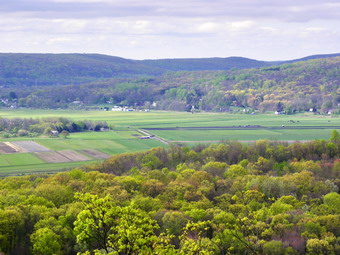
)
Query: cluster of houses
[
  {"x": 117, "y": 108},
  {"x": 313, "y": 109},
  {"x": 9, "y": 103}
]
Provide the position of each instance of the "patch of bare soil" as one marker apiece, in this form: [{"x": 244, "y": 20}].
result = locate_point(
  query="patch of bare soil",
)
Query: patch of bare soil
[
  {"x": 30, "y": 146},
  {"x": 96, "y": 154},
  {"x": 73, "y": 155},
  {"x": 6, "y": 149},
  {"x": 52, "y": 157}
]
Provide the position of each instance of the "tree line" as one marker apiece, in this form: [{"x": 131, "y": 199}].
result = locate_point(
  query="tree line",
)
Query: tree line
[{"x": 12, "y": 127}]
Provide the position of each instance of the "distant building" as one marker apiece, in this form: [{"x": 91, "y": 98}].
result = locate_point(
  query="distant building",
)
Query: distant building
[
  {"x": 117, "y": 109},
  {"x": 120, "y": 108},
  {"x": 55, "y": 132}
]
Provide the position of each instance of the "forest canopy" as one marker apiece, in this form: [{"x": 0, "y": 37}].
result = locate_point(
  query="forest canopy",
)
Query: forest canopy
[{"x": 226, "y": 198}]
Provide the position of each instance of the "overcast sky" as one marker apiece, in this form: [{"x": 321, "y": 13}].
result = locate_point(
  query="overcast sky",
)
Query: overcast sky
[{"x": 152, "y": 29}]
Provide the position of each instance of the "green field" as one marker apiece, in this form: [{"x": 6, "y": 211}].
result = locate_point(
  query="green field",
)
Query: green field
[
  {"x": 37, "y": 168},
  {"x": 177, "y": 119},
  {"x": 241, "y": 135},
  {"x": 18, "y": 159},
  {"x": 110, "y": 142},
  {"x": 181, "y": 129}
]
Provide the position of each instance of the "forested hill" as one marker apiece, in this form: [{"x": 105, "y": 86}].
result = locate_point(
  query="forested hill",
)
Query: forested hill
[
  {"x": 200, "y": 64},
  {"x": 63, "y": 69},
  {"x": 290, "y": 87},
  {"x": 19, "y": 69}
]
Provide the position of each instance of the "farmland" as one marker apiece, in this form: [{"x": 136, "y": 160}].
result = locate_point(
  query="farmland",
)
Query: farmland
[
  {"x": 80, "y": 148},
  {"x": 51, "y": 154}
]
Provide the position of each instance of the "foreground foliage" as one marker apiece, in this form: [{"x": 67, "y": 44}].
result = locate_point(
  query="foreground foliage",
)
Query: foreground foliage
[{"x": 227, "y": 198}]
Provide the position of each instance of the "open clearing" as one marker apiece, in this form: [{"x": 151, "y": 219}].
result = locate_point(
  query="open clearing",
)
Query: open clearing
[
  {"x": 60, "y": 153},
  {"x": 96, "y": 154},
  {"x": 160, "y": 119},
  {"x": 173, "y": 127},
  {"x": 5, "y": 148},
  {"x": 73, "y": 155},
  {"x": 30, "y": 146},
  {"x": 187, "y": 135},
  {"x": 18, "y": 159},
  {"x": 52, "y": 157},
  {"x": 41, "y": 167}
]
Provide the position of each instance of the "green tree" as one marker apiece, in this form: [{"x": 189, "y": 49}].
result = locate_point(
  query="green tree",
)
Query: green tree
[
  {"x": 231, "y": 242},
  {"x": 121, "y": 230},
  {"x": 12, "y": 95},
  {"x": 273, "y": 248},
  {"x": 235, "y": 170},
  {"x": 11, "y": 222},
  {"x": 174, "y": 222},
  {"x": 319, "y": 247},
  {"x": 194, "y": 239},
  {"x": 215, "y": 168},
  {"x": 332, "y": 202},
  {"x": 335, "y": 136},
  {"x": 65, "y": 134},
  {"x": 45, "y": 242}
]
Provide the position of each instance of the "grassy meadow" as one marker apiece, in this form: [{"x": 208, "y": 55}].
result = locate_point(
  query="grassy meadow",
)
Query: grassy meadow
[
  {"x": 124, "y": 137},
  {"x": 164, "y": 119},
  {"x": 242, "y": 135}
]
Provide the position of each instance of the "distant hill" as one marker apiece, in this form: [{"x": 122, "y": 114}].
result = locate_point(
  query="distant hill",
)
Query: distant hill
[
  {"x": 320, "y": 56},
  {"x": 62, "y": 69},
  {"x": 21, "y": 69},
  {"x": 291, "y": 86},
  {"x": 201, "y": 64}
]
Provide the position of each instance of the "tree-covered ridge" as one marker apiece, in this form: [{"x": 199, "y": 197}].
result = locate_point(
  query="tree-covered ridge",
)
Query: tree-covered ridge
[
  {"x": 227, "y": 198},
  {"x": 290, "y": 87},
  {"x": 24, "y": 69},
  {"x": 199, "y": 64},
  {"x": 62, "y": 69}
]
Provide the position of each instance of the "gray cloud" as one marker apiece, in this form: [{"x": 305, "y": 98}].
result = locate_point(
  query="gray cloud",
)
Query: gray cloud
[
  {"x": 262, "y": 29},
  {"x": 289, "y": 10}
]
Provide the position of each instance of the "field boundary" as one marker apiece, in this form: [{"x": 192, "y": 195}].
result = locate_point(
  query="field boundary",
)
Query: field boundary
[
  {"x": 244, "y": 127},
  {"x": 162, "y": 140},
  {"x": 244, "y": 141}
]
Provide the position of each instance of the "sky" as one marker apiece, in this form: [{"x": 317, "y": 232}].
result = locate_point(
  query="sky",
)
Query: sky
[{"x": 154, "y": 29}]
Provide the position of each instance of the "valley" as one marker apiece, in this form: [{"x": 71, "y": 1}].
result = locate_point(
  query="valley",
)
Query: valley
[{"x": 175, "y": 128}]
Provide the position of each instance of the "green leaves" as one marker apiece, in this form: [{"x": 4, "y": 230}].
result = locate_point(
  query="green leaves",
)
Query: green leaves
[
  {"x": 121, "y": 230},
  {"x": 11, "y": 222},
  {"x": 46, "y": 242}
]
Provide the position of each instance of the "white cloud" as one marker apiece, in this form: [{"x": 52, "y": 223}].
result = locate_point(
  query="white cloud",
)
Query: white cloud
[
  {"x": 316, "y": 29},
  {"x": 59, "y": 40},
  {"x": 263, "y": 29},
  {"x": 241, "y": 25},
  {"x": 208, "y": 27}
]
